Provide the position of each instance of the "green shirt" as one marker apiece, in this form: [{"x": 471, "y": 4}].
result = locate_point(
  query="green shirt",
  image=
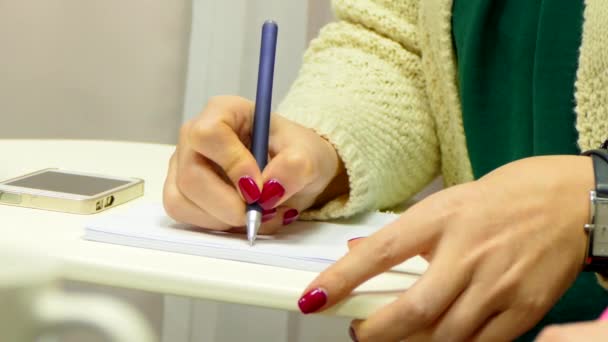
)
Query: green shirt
[{"x": 517, "y": 62}]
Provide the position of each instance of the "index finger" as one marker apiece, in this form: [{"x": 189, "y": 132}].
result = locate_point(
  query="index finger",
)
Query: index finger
[
  {"x": 419, "y": 306},
  {"x": 412, "y": 234},
  {"x": 221, "y": 135}
]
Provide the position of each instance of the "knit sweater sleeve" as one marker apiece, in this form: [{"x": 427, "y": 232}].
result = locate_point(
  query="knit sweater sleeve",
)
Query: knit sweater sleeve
[{"x": 362, "y": 88}]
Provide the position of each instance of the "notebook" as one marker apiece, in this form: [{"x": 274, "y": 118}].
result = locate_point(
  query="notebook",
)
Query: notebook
[{"x": 308, "y": 246}]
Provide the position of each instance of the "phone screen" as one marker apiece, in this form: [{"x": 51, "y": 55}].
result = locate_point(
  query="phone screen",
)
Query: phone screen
[{"x": 68, "y": 183}]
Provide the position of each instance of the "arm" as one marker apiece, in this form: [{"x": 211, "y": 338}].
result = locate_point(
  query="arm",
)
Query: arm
[{"x": 361, "y": 87}]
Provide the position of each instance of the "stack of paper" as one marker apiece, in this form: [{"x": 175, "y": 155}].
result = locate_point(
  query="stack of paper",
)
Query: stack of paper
[{"x": 309, "y": 246}]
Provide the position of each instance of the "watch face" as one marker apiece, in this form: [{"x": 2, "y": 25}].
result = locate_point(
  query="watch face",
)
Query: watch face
[{"x": 600, "y": 230}]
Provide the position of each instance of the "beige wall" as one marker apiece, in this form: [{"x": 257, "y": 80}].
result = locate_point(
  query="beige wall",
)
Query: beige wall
[
  {"x": 93, "y": 69},
  {"x": 319, "y": 14}
]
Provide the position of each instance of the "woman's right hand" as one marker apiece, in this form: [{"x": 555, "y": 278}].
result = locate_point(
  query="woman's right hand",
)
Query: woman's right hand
[{"x": 212, "y": 174}]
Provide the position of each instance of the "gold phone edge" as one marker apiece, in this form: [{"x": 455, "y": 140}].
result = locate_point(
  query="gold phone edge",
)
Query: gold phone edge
[{"x": 87, "y": 206}]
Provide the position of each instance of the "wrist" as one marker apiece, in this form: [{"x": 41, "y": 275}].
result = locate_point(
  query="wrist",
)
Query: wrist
[
  {"x": 587, "y": 184},
  {"x": 339, "y": 183}
]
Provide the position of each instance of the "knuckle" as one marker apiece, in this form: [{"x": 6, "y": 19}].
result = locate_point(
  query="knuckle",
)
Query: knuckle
[
  {"x": 416, "y": 310},
  {"x": 217, "y": 101},
  {"x": 231, "y": 164},
  {"x": 203, "y": 131},
  {"x": 480, "y": 254},
  {"x": 504, "y": 288},
  {"x": 384, "y": 254},
  {"x": 184, "y": 131},
  {"x": 301, "y": 162},
  {"x": 171, "y": 202},
  {"x": 534, "y": 304},
  {"x": 213, "y": 103},
  {"x": 448, "y": 210},
  {"x": 458, "y": 204},
  {"x": 186, "y": 179}
]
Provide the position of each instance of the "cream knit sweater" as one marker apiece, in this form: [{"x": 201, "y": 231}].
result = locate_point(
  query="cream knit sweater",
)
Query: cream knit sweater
[{"x": 380, "y": 84}]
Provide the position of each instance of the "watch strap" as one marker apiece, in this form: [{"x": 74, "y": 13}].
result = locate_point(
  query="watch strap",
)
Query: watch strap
[{"x": 600, "y": 169}]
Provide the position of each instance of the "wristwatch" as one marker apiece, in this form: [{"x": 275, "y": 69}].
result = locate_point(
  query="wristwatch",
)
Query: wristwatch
[{"x": 596, "y": 259}]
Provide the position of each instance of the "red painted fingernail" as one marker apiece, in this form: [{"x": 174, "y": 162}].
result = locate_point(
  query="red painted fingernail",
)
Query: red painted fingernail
[
  {"x": 312, "y": 301},
  {"x": 271, "y": 194},
  {"x": 355, "y": 238},
  {"x": 289, "y": 216},
  {"x": 352, "y": 334},
  {"x": 267, "y": 215},
  {"x": 249, "y": 189}
]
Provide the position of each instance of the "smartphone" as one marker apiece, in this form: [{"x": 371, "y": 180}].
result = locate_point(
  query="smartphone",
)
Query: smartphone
[{"x": 69, "y": 191}]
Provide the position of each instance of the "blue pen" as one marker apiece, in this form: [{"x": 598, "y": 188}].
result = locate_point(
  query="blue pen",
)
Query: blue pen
[{"x": 261, "y": 118}]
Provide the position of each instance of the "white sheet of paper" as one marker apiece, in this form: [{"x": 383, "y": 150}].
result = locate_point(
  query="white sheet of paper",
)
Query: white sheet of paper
[{"x": 309, "y": 246}]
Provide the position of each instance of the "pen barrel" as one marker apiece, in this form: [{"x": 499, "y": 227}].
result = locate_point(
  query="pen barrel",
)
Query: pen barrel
[{"x": 263, "y": 99}]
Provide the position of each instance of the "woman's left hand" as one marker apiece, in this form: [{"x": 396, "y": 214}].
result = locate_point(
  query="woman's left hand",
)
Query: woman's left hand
[
  {"x": 502, "y": 250},
  {"x": 596, "y": 331}
]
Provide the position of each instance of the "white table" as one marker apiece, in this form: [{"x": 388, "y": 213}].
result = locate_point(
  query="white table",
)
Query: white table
[{"x": 59, "y": 235}]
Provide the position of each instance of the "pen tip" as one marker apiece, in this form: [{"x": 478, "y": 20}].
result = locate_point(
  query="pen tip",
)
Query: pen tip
[{"x": 254, "y": 220}]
